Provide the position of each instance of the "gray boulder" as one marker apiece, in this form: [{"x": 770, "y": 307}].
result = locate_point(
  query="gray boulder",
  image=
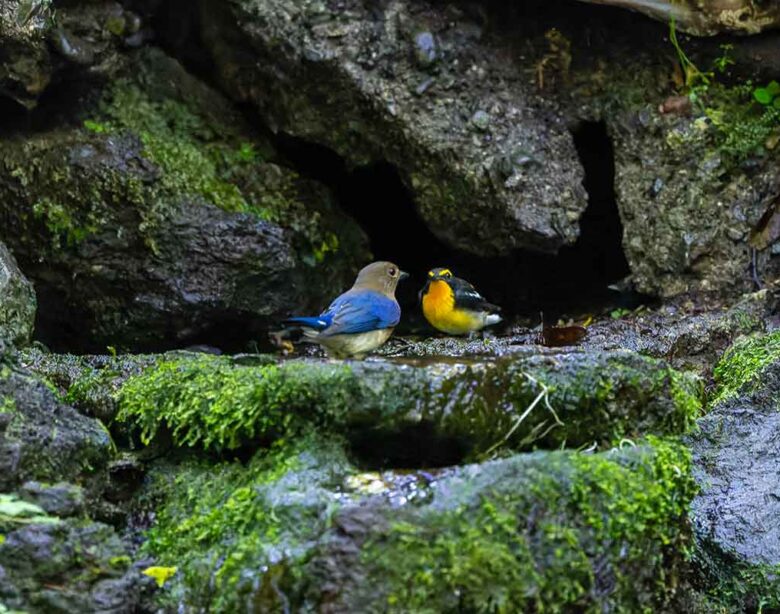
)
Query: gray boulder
[
  {"x": 474, "y": 107},
  {"x": 736, "y": 455},
  {"x": 490, "y": 162},
  {"x": 708, "y": 17},
  {"x": 42, "y": 46}
]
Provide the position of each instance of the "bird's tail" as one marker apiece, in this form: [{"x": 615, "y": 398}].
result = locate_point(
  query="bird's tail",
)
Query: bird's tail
[
  {"x": 307, "y": 322},
  {"x": 492, "y": 318}
]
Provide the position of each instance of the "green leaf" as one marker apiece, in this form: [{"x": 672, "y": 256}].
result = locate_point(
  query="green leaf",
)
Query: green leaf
[
  {"x": 762, "y": 95},
  {"x": 11, "y": 506},
  {"x": 95, "y": 126},
  {"x": 616, "y": 314},
  {"x": 776, "y": 103},
  {"x": 773, "y": 88},
  {"x": 14, "y": 511}
]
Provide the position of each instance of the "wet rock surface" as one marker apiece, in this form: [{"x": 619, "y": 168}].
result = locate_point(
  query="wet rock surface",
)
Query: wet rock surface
[
  {"x": 689, "y": 335},
  {"x": 17, "y": 301}
]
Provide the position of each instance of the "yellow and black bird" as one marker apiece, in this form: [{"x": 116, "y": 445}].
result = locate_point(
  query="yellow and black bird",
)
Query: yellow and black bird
[{"x": 454, "y": 306}]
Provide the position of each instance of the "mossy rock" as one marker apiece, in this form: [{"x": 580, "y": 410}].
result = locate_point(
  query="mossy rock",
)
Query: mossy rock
[
  {"x": 736, "y": 463},
  {"x": 550, "y": 530},
  {"x": 41, "y": 438},
  {"x": 230, "y": 528},
  {"x": 742, "y": 367},
  {"x": 17, "y": 301},
  {"x": 73, "y": 565},
  {"x": 176, "y": 218},
  {"x": 388, "y": 409}
]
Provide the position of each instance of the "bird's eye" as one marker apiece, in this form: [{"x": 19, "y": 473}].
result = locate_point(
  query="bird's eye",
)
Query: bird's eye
[{"x": 393, "y": 271}]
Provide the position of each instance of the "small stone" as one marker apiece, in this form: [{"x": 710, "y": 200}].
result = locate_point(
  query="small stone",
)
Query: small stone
[
  {"x": 480, "y": 120},
  {"x": 425, "y": 51},
  {"x": 710, "y": 163},
  {"x": 657, "y": 187},
  {"x": 72, "y": 47},
  {"x": 735, "y": 234},
  {"x": 423, "y": 86},
  {"x": 132, "y": 23}
]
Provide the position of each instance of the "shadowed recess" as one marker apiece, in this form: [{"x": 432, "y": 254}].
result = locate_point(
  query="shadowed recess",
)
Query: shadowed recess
[{"x": 523, "y": 282}]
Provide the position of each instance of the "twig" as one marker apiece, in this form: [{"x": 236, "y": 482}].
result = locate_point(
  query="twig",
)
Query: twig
[{"x": 543, "y": 395}]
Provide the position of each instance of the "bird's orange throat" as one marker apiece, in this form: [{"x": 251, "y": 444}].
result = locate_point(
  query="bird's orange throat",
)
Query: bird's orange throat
[
  {"x": 438, "y": 306},
  {"x": 438, "y": 301}
]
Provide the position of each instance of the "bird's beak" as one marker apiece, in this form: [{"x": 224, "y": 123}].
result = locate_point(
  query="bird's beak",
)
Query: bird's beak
[{"x": 403, "y": 276}]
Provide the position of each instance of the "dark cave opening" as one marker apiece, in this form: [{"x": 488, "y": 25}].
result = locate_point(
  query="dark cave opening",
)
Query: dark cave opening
[
  {"x": 524, "y": 283},
  {"x": 411, "y": 447}
]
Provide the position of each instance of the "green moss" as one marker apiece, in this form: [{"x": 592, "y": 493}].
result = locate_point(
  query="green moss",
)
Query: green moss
[
  {"x": 733, "y": 585},
  {"x": 7, "y": 405},
  {"x": 217, "y": 403},
  {"x": 218, "y": 522},
  {"x": 213, "y": 403},
  {"x": 62, "y": 223},
  {"x": 175, "y": 138},
  {"x": 592, "y": 530},
  {"x": 743, "y": 126},
  {"x": 741, "y": 366},
  {"x": 687, "y": 391},
  {"x": 208, "y": 161}
]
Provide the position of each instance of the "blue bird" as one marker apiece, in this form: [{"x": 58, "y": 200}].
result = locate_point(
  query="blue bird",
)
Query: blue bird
[{"x": 361, "y": 319}]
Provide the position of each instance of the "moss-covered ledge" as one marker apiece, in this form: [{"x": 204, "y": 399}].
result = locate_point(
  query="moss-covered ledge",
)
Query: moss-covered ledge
[
  {"x": 526, "y": 400},
  {"x": 739, "y": 370},
  {"x": 555, "y": 531},
  {"x": 548, "y": 531},
  {"x": 230, "y": 528}
]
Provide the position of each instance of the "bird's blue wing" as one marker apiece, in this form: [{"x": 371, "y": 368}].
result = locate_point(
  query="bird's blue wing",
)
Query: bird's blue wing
[
  {"x": 316, "y": 323},
  {"x": 361, "y": 311}
]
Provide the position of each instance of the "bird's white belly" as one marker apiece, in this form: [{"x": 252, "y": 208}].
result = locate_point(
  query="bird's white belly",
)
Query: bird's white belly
[{"x": 356, "y": 345}]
